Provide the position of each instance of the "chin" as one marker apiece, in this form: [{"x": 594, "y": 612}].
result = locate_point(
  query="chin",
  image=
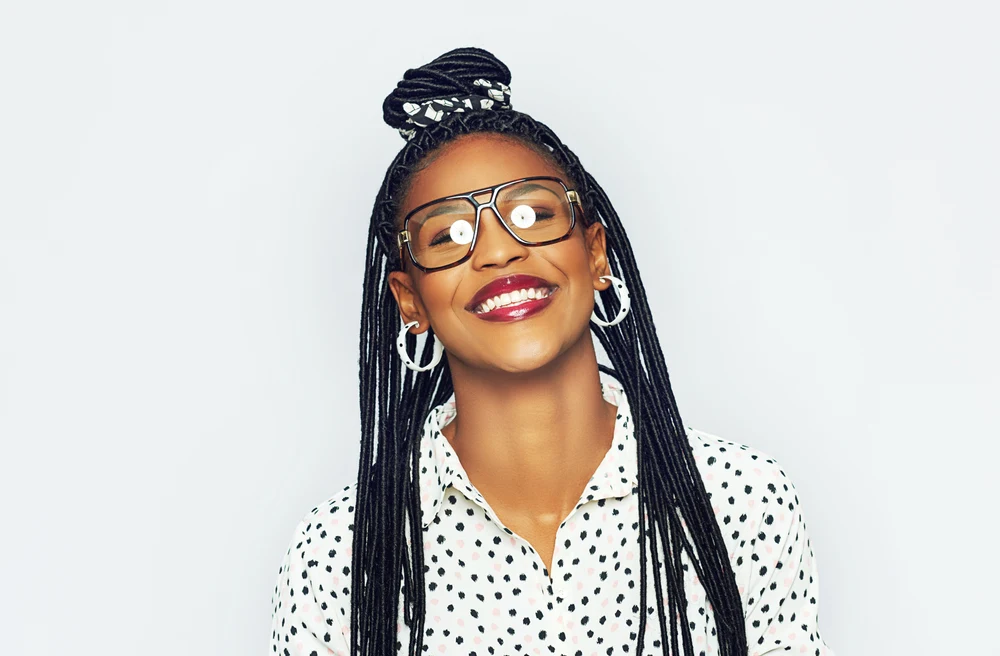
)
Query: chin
[
  {"x": 524, "y": 358},
  {"x": 530, "y": 346}
]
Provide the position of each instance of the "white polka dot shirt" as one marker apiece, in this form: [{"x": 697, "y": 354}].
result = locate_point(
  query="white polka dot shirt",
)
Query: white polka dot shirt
[{"x": 488, "y": 591}]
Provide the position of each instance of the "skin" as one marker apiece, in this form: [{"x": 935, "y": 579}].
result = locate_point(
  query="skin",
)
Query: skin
[{"x": 532, "y": 425}]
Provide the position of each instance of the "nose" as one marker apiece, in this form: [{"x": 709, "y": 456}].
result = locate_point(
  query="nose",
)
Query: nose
[{"x": 495, "y": 247}]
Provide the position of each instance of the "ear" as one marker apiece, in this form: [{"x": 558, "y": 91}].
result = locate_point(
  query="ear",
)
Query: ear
[
  {"x": 597, "y": 250},
  {"x": 408, "y": 300}
]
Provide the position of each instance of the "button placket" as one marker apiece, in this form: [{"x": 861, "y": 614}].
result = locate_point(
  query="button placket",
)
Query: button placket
[
  {"x": 561, "y": 553},
  {"x": 546, "y": 586}
]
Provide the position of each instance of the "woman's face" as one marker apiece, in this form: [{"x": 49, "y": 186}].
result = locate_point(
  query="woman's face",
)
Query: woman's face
[{"x": 504, "y": 340}]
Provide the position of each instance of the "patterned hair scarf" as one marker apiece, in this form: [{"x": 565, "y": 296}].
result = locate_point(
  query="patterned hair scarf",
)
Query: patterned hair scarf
[{"x": 494, "y": 96}]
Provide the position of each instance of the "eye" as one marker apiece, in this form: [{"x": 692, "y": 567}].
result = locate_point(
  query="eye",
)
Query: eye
[
  {"x": 461, "y": 232},
  {"x": 440, "y": 238},
  {"x": 522, "y": 216}
]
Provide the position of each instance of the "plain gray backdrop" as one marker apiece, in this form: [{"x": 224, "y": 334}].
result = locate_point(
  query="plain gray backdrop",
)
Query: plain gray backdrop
[{"x": 811, "y": 192}]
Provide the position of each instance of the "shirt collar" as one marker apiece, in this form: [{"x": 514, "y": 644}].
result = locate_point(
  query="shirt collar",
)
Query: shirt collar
[{"x": 440, "y": 468}]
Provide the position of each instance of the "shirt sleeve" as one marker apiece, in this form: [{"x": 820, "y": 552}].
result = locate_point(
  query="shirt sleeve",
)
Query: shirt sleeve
[
  {"x": 302, "y": 622},
  {"x": 782, "y": 593}
]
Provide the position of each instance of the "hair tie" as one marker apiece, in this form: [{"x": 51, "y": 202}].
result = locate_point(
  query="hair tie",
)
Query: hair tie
[{"x": 494, "y": 96}]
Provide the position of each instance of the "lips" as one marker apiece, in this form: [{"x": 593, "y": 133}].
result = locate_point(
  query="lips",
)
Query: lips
[{"x": 509, "y": 291}]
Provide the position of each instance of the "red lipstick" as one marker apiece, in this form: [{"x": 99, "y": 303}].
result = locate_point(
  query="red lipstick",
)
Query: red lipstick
[{"x": 512, "y": 297}]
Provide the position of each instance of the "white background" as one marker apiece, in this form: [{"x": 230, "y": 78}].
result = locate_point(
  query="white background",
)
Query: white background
[{"x": 186, "y": 186}]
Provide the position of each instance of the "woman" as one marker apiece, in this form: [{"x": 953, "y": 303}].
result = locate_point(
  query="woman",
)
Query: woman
[{"x": 510, "y": 499}]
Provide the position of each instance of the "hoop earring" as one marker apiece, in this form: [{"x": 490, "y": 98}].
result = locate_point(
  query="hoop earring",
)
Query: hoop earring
[
  {"x": 623, "y": 297},
  {"x": 405, "y": 357}
]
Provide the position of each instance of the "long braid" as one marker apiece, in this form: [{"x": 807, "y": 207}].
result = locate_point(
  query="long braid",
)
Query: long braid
[
  {"x": 693, "y": 501},
  {"x": 675, "y": 512}
]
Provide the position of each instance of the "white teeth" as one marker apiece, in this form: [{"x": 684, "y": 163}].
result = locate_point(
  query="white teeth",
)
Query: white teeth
[{"x": 512, "y": 298}]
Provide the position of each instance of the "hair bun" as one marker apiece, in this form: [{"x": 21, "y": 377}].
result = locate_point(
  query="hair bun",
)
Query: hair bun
[{"x": 452, "y": 74}]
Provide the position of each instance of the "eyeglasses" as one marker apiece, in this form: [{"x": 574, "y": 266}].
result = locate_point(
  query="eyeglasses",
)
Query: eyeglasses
[{"x": 442, "y": 233}]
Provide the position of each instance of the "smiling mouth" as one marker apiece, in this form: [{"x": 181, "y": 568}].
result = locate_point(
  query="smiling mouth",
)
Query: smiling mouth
[{"x": 513, "y": 298}]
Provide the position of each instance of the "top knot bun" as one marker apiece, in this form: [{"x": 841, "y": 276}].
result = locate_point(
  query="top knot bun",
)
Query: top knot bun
[{"x": 452, "y": 74}]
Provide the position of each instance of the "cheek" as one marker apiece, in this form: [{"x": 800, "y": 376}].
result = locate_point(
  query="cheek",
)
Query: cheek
[
  {"x": 437, "y": 290},
  {"x": 574, "y": 262}
]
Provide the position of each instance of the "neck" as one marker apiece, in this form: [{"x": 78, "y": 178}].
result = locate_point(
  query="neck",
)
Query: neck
[{"x": 530, "y": 441}]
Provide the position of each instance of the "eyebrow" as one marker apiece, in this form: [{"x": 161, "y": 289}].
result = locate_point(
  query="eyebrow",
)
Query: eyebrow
[
  {"x": 525, "y": 189},
  {"x": 455, "y": 206},
  {"x": 451, "y": 207}
]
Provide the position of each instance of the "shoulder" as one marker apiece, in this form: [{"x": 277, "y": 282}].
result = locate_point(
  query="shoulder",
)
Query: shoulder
[
  {"x": 755, "y": 504},
  {"x": 338, "y": 507},
  {"x": 320, "y": 549},
  {"x": 757, "y": 508},
  {"x": 311, "y": 600},
  {"x": 731, "y": 468},
  {"x": 330, "y": 522}
]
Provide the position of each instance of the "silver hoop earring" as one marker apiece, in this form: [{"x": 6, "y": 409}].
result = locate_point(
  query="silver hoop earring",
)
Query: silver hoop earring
[
  {"x": 405, "y": 357},
  {"x": 623, "y": 298}
]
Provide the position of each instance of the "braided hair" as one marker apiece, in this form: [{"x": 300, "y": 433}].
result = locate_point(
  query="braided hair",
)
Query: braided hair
[{"x": 675, "y": 513}]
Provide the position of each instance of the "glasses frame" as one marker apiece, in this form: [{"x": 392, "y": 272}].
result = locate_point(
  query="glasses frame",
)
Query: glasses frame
[{"x": 403, "y": 236}]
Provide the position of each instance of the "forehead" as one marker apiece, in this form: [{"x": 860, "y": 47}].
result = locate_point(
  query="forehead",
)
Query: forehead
[{"x": 474, "y": 162}]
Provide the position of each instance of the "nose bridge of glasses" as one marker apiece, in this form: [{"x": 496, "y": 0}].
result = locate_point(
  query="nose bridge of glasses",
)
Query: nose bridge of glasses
[
  {"x": 482, "y": 201},
  {"x": 491, "y": 229},
  {"x": 484, "y": 209}
]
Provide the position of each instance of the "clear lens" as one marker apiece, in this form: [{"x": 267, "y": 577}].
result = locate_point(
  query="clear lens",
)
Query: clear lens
[{"x": 536, "y": 211}]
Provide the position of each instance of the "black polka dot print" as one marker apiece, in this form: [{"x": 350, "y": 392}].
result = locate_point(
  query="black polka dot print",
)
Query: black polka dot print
[{"x": 489, "y": 593}]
